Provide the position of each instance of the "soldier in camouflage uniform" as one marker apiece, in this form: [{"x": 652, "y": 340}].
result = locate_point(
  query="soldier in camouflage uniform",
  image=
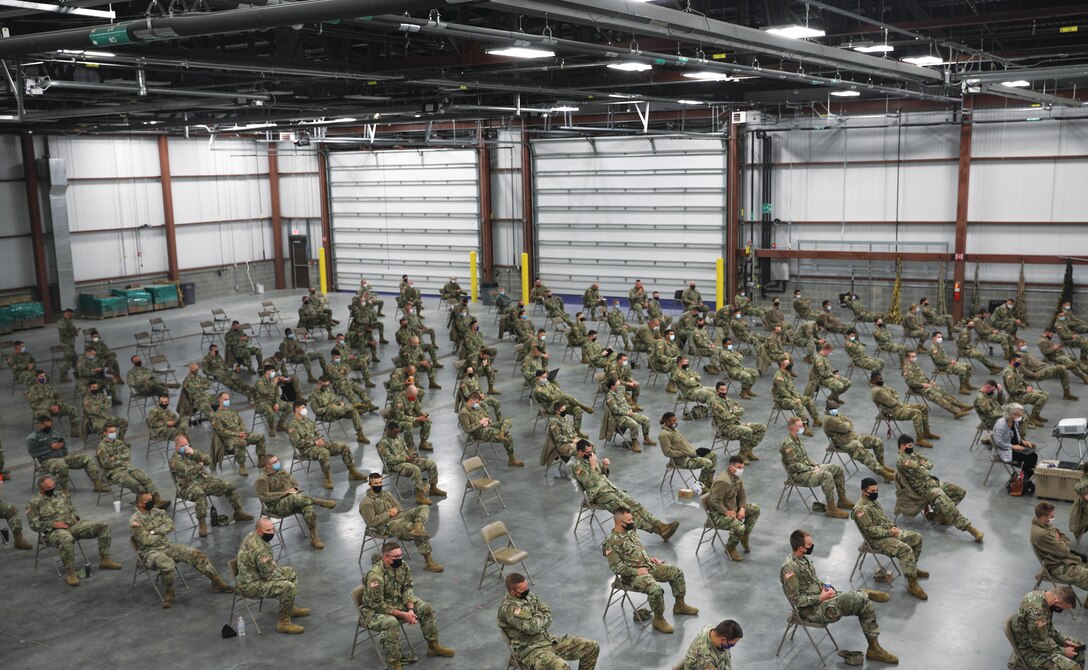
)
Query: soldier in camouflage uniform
[
  {"x": 884, "y": 341},
  {"x": 882, "y": 536},
  {"x": 553, "y": 307},
  {"x": 260, "y": 577},
  {"x": 638, "y": 298},
  {"x": 702, "y": 345},
  {"x": 1055, "y": 353},
  {"x": 561, "y": 435},
  {"x": 45, "y": 399},
  {"x": 732, "y": 363},
  {"x": 388, "y": 600},
  {"x": 655, "y": 311},
  {"x": 547, "y": 394},
  {"x": 1072, "y": 321},
  {"x": 105, "y": 356},
  {"x": 1068, "y": 337},
  {"x": 865, "y": 449},
  {"x": 640, "y": 572},
  {"x": 280, "y": 494},
  {"x": 620, "y": 368},
  {"x": 356, "y": 362},
  {"x": 67, "y": 332},
  {"x": 22, "y": 364},
  {"x": 413, "y": 354},
  {"x": 617, "y": 323},
  {"x": 475, "y": 422},
  {"x": 189, "y": 467},
  {"x": 470, "y": 384},
  {"x": 689, "y": 383},
  {"x": 415, "y": 324},
  {"x": 855, "y": 349},
  {"x": 685, "y": 326},
  {"x": 294, "y": 352},
  {"x": 90, "y": 369},
  {"x": 625, "y": 418},
  {"x": 383, "y": 516},
  {"x": 143, "y": 382},
  {"x": 592, "y": 477},
  {"x": 231, "y": 430},
  {"x": 933, "y": 318},
  {"x": 786, "y": 397},
  {"x": 48, "y": 448},
  {"x": 743, "y": 302},
  {"x": 51, "y": 514},
  {"x": 691, "y": 298},
  {"x": 1037, "y": 369},
  {"x": 149, "y": 527},
  {"x": 914, "y": 326},
  {"x": 96, "y": 411},
  {"x": 1053, "y": 549},
  {"x": 10, "y": 513},
  {"x": 802, "y": 307},
  {"x": 407, "y": 411},
  {"x": 369, "y": 319},
  {"x": 683, "y": 454},
  {"x": 772, "y": 316},
  {"x": 115, "y": 458},
  {"x": 966, "y": 350},
  {"x": 270, "y": 406},
  {"x": 239, "y": 351},
  {"x": 452, "y": 291},
  {"x": 1038, "y": 643},
  {"x": 311, "y": 317},
  {"x": 1022, "y": 392},
  {"x": 921, "y": 385},
  {"x": 663, "y": 357},
  {"x": 1004, "y": 318},
  {"x": 803, "y": 471},
  {"x": 710, "y": 648},
  {"x": 306, "y": 438},
  {"x": 742, "y": 331},
  {"x": 822, "y": 604},
  {"x": 476, "y": 355},
  {"x": 525, "y": 619},
  {"x": 985, "y": 331},
  {"x": 806, "y": 336},
  {"x": 216, "y": 368},
  {"x": 328, "y": 407},
  {"x": 824, "y": 375},
  {"x": 725, "y": 414},
  {"x": 888, "y": 406},
  {"x": 401, "y": 459},
  {"x": 916, "y": 483},
  {"x": 829, "y": 321},
  {"x": 772, "y": 349},
  {"x": 728, "y": 508},
  {"x": 854, "y": 304},
  {"x": 949, "y": 366},
  {"x": 593, "y": 302},
  {"x": 989, "y": 405}
]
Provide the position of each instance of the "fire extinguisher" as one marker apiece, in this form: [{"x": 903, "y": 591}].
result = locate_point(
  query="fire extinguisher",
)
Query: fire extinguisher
[{"x": 956, "y": 296}]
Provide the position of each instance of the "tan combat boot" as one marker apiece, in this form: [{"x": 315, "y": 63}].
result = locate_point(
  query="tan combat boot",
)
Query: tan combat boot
[
  {"x": 323, "y": 502},
  {"x": 202, "y": 527},
  {"x": 426, "y": 446},
  {"x": 667, "y": 530},
  {"x": 930, "y": 435},
  {"x": 435, "y": 491},
  {"x": 355, "y": 476},
  {"x": 242, "y": 470},
  {"x": 844, "y": 502},
  {"x": 422, "y": 499},
  {"x": 808, "y": 432},
  {"x": 168, "y": 597},
  {"x": 744, "y": 543},
  {"x": 734, "y": 555},
  {"x": 299, "y": 611},
  {"x": 660, "y": 625},
  {"x": 104, "y": 563},
  {"x": 219, "y": 586},
  {"x": 877, "y": 653},
  {"x": 430, "y": 565},
  {"x": 975, "y": 533},
  {"x": 634, "y": 446},
  {"x": 328, "y": 481},
  {"x": 284, "y": 625},
  {"x": 99, "y": 487},
  {"x": 647, "y": 441},
  {"x": 922, "y": 574},
  {"x": 71, "y": 577},
  {"x": 315, "y": 540},
  {"x": 887, "y": 473},
  {"x": 681, "y": 607},
  {"x": 877, "y": 596},
  {"x": 1069, "y": 396},
  {"x": 20, "y": 541},
  {"x": 915, "y": 590},
  {"x": 922, "y": 442},
  {"x": 834, "y": 512},
  {"x": 436, "y": 649},
  {"x": 240, "y": 515}
]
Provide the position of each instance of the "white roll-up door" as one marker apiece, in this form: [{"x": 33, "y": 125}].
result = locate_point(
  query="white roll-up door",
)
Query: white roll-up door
[
  {"x": 404, "y": 212},
  {"x": 615, "y": 210}
]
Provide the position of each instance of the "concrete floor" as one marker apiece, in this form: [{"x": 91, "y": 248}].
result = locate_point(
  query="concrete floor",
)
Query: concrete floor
[{"x": 105, "y": 624}]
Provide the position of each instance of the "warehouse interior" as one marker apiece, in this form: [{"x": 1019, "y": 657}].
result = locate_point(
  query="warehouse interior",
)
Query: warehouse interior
[{"x": 168, "y": 166}]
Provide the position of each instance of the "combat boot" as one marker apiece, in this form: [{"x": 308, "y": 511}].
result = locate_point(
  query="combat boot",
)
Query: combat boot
[
  {"x": 647, "y": 441},
  {"x": 104, "y": 563},
  {"x": 436, "y": 649},
  {"x": 168, "y": 597},
  {"x": 681, "y": 607},
  {"x": 242, "y": 471},
  {"x": 752, "y": 394},
  {"x": 965, "y": 389},
  {"x": 299, "y": 611},
  {"x": 435, "y": 491},
  {"x": 744, "y": 543},
  {"x": 887, "y": 473},
  {"x": 808, "y": 432},
  {"x": 426, "y": 446},
  {"x": 418, "y": 532},
  {"x": 660, "y": 625},
  {"x": 71, "y": 577},
  {"x": 877, "y": 653},
  {"x": 1069, "y": 396},
  {"x": 667, "y": 530},
  {"x": 634, "y": 446},
  {"x": 844, "y": 502},
  {"x": 816, "y": 422},
  {"x": 975, "y": 533},
  {"x": 328, "y": 480},
  {"x": 99, "y": 487},
  {"x": 514, "y": 462},
  {"x": 285, "y": 625},
  {"x": 315, "y": 540},
  {"x": 310, "y": 378},
  {"x": 219, "y": 586},
  {"x": 670, "y": 388},
  {"x": 962, "y": 413},
  {"x": 202, "y": 527},
  {"x": 355, "y": 476},
  {"x": 361, "y": 438},
  {"x": 323, "y": 502},
  {"x": 430, "y": 565},
  {"x": 587, "y": 409},
  {"x": 877, "y": 596},
  {"x": 433, "y": 385},
  {"x": 240, "y": 515},
  {"x": 422, "y": 499},
  {"x": 159, "y": 503},
  {"x": 834, "y": 512},
  {"x": 930, "y": 435},
  {"x": 922, "y": 574},
  {"x": 734, "y": 555},
  {"x": 20, "y": 541},
  {"x": 1039, "y": 418},
  {"x": 915, "y": 590},
  {"x": 922, "y": 442}
]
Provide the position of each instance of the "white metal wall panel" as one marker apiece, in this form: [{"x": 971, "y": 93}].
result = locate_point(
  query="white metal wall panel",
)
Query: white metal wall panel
[
  {"x": 224, "y": 244},
  {"x": 102, "y": 157},
  {"x": 506, "y": 199},
  {"x": 300, "y": 190},
  {"x": 404, "y": 212},
  {"x": 613, "y": 210}
]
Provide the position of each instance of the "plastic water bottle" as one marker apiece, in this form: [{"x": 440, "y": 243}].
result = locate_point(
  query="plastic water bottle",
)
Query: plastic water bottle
[
  {"x": 215, "y": 516},
  {"x": 241, "y": 627},
  {"x": 827, "y": 583}
]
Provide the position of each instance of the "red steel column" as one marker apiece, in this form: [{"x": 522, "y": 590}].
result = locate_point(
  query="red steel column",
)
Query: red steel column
[
  {"x": 959, "y": 272},
  {"x": 277, "y": 219},
  {"x": 168, "y": 208}
]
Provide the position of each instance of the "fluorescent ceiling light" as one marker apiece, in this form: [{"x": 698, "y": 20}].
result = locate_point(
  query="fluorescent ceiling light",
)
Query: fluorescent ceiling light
[
  {"x": 521, "y": 52},
  {"x": 795, "y": 31},
  {"x": 622, "y": 96},
  {"x": 630, "y": 66},
  {"x": 875, "y": 48},
  {"x": 690, "y": 102},
  {"x": 923, "y": 61},
  {"x": 91, "y": 54},
  {"x": 565, "y": 108},
  {"x": 846, "y": 94},
  {"x": 708, "y": 76},
  {"x": 1018, "y": 83}
]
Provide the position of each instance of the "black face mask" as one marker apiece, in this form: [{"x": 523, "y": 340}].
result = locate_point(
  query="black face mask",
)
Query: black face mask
[
  {"x": 376, "y": 489},
  {"x": 267, "y": 537},
  {"x": 48, "y": 493},
  {"x": 908, "y": 451},
  {"x": 96, "y": 391},
  {"x": 872, "y": 496},
  {"x": 164, "y": 405},
  {"x": 808, "y": 549},
  {"x": 586, "y": 455},
  {"x": 139, "y": 364},
  {"x": 523, "y": 595},
  {"x": 397, "y": 562},
  {"x": 629, "y": 526},
  {"x": 789, "y": 368},
  {"x": 1056, "y": 609},
  {"x": 989, "y": 393},
  {"x": 684, "y": 366},
  {"x": 879, "y": 382},
  {"x": 148, "y": 505}
]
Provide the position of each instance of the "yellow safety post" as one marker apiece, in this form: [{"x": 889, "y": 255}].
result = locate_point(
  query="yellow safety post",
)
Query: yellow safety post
[
  {"x": 525, "y": 278},
  {"x": 720, "y": 275},
  {"x": 472, "y": 275},
  {"x": 321, "y": 270}
]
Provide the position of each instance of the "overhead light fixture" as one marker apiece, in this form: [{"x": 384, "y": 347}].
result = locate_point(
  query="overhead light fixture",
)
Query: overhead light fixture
[
  {"x": 875, "y": 48},
  {"x": 1018, "y": 83},
  {"x": 846, "y": 94},
  {"x": 924, "y": 61},
  {"x": 90, "y": 54},
  {"x": 565, "y": 108},
  {"x": 795, "y": 31},
  {"x": 521, "y": 52},
  {"x": 630, "y": 66},
  {"x": 708, "y": 76},
  {"x": 690, "y": 102},
  {"x": 622, "y": 96}
]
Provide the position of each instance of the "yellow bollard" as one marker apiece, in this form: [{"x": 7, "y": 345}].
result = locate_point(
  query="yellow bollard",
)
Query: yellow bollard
[
  {"x": 525, "y": 278},
  {"x": 472, "y": 275},
  {"x": 321, "y": 270},
  {"x": 720, "y": 274}
]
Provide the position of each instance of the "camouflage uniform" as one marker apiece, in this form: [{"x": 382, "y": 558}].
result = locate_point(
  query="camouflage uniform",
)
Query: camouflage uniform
[
  {"x": 627, "y": 421},
  {"x": 725, "y": 413},
  {"x": 1070, "y": 339},
  {"x": 727, "y": 495},
  {"x": 855, "y": 349},
  {"x": 57, "y": 462},
  {"x": 115, "y": 459},
  {"x": 692, "y": 298},
  {"x": 293, "y": 352},
  {"x": 828, "y": 378},
  {"x": 272, "y": 490},
  {"x": 88, "y": 369},
  {"x": 405, "y": 411},
  {"x": 803, "y": 308},
  {"x": 592, "y": 301},
  {"x": 67, "y": 331},
  {"x": 934, "y": 318},
  {"x": 690, "y": 385},
  {"x": 961, "y": 369},
  {"x": 805, "y": 337},
  {"x": 260, "y": 577},
  {"x": 888, "y": 406},
  {"x": 682, "y": 454},
  {"x": 406, "y": 525},
  {"x": 273, "y": 409},
  {"x": 1055, "y": 353},
  {"x": 876, "y": 530},
  {"x": 387, "y": 589},
  {"x": 563, "y": 436},
  {"x": 237, "y": 351},
  {"x": 965, "y": 350},
  {"x": 548, "y": 395},
  {"x": 914, "y": 327},
  {"x": 44, "y": 511},
  {"x": 10, "y": 513},
  {"x": 601, "y": 492},
  {"x": 496, "y": 431},
  {"x": 860, "y": 313},
  {"x": 831, "y": 323},
  {"x": 304, "y": 436},
  {"x": 702, "y": 655},
  {"x": 22, "y": 366},
  {"x": 786, "y": 397},
  {"x": 229, "y": 427},
  {"x": 915, "y": 379},
  {"x": 216, "y": 368},
  {"x": 195, "y": 483},
  {"x": 732, "y": 362},
  {"x": 402, "y": 460},
  {"x": 989, "y": 408},
  {"x": 626, "y": 556},
  {"x": 742, "y": 332},
  {"x": 43, "y": 397},
  {"x": 103, "y": 353},
  {"x": 1003, "y": 319},
  {"x": 149, "y": 531},
  {"x": 198, "y": 392},
  {"x": 413, "y": 354},
  {"x": 96, "y": 411},
  {"x": 157, "y": 419},
  {"x": 1053, "y": 550},
  {"x": 663, "y": 356},
  {"x": 986, "y": 332},
  {"x": 865, "y": 449},
  {"x": 1035, "y": 368},
  {"x": 617, "y": 323},
  {"x": 145, "y": 383},
  {"x": 525, "y": 621},
  {"x": 1037, "y": 641},
  {"x": 654, "y": 311},
  {"x": 802, "y": 588},
  {"x": 804, "y": 471},
  {"x": 1016, "y": 387},
  {"x": 941, "y": 496},
  {"x": 328, "y": 407},
  {"x": 884, "y": 343},
  {"x": 471, "y": 384},
  {"x": 554, "y": 308}
]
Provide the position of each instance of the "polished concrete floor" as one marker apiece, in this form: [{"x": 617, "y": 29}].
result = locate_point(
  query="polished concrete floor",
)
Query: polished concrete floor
[{"x": 106, "y": 624}]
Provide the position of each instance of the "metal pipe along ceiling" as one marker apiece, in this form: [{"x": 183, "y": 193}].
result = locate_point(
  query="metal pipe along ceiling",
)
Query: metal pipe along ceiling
[
  {"x": 136, "y": 88},
  {"x": 208, "y": 23}
]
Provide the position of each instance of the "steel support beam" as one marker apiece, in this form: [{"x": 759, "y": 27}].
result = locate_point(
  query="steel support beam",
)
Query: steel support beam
[
  {"x": 168, "y": 208},
  {"x": 277, "y": 219},
  {"x": 37, "y": 236},
  {"x": 528, "y": 234},
  {"x": 963, "y": 189},
  {"x": 483, "y": 152},
  {"x": 326, "y": 221},
  {"x": 916, "y": 256},
  {"x": 734, "y": 190}
]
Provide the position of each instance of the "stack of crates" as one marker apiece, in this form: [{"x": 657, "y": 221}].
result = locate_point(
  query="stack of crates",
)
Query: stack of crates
[
  {"x": 26, "y": 315},
  {"x": 163, "y": 296},
  {"x": 102, "y": 307},
  {"x": 6, "y": 324},
  {"x": 138, "y": 299}
]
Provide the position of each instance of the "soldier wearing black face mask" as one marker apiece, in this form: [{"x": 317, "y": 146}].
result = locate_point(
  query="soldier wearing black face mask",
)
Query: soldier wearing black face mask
[
  {"x": 710, "y": 650},
  {"x": 921, "y": 488},
  {"x": 260, "y": 577},
  {"x": 164, "y": 424},
  {"x": 883, "y": 536},
  {"x": 382, "y": 514},
  {"x": 388, "y": 600},
  {"x": 1038, "y": 643},
  {"x": 525, "y": 619}
]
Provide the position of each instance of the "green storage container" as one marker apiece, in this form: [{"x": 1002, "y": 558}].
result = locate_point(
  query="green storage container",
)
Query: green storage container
[
  {"x": 26, "y": 310},
  {"x": 163, "y": 296},
  {"x": 6, "y": 323},
  {"x": 138, "y": 300}
]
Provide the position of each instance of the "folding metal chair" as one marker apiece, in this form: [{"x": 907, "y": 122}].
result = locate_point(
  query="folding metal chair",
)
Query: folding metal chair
[
  {"x": 589, "y": 510},
  {"x": 238, "y": 597},
  {"x": 281, "y": 520},
  {"x": 54, "y": 555},
  {"x": 140, "y": 568},
  {"x": 620, "y": 594},
  {"x": 159, "y": 330},
  {"x": 1015, "y": 661},
  {"x": 512, "y": 663},
  {"x": 161, "y": 367},
  {"x": 793, "y": 622},
  {"x": 145, "y": 344},
  {"x": 708, "y": 527},
  {"x": 787, "y": 491},
  {"x": 377, "y": 538},
  {"x": 504, "y": 557},
  {"x": 371, "y": 635},
  {"x": 208, "y": 333},
  {"x": 865, "y": 550},
  {"x": 57, "y": 354},
  {"x": 995, "y": 458},
  {"x": 480, "y": 484},
  {"x": 220, "y": 319},
  {"x": 672, "y": 470},
  {"x": 847, "y": 462}
]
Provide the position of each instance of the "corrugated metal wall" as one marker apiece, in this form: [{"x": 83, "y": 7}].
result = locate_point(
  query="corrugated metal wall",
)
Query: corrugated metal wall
[{"x": 16, "y": 252}]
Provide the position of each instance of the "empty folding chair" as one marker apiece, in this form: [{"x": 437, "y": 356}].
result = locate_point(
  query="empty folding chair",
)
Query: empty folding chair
[
  {"x": 479, "y": 482},
  {"x": 499, "y": 559},
  {"x": 220, "y": 319},
  {"x": 159, "y": 330}
]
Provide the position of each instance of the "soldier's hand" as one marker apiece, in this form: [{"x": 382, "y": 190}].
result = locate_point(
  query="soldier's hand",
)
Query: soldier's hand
[
  {"x": 740, "y": 514},
  {"x": 410, "y": 617},
  {"x": 827, "y": 594},
  {"x": 60, "y": 524},
  {"x": 56, "y": 445},
  {"x": 643, "y": 571},
  {"x": 53, "y": 409},
  {"x": 1070, "y": 652},
  {"x": 894, "y": 531},
  {"x": 320, "y": 442},
  {"x": 242, "y": 435},
  {"x": 731, "y": 514},
  {"x": 393, "y": 512}
]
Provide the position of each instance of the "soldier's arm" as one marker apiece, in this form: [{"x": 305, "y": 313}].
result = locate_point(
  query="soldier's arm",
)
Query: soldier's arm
[
  {"x": 791, "y": 584},
  {"x": 616, "y": 563},
  {"x": 34, "y": 518},
  {"x": 869, "y": 526},
  {"x": 522, "y": 620}
]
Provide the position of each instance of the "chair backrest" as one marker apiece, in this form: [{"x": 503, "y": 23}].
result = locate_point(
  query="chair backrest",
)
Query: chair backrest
[
  {"x": 493, "y": 531},
  {"x": 157, "y": 359},
  {"x": 472, "y": 465},
  {"x": 218, "y": 311},
  {"x": 233, "y": 564},
  {"x": 57, "y": 349},
  {"x": 704, "y": 502},
  {"x": 357, "y": 596},
  {"x": 1007, "y": 627},
  {"x": 157, "y": 321},
  {"x": 205, "y": 324},
  {"x": 269, "y": 304},
  {"x": 142, "y": 336}
]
